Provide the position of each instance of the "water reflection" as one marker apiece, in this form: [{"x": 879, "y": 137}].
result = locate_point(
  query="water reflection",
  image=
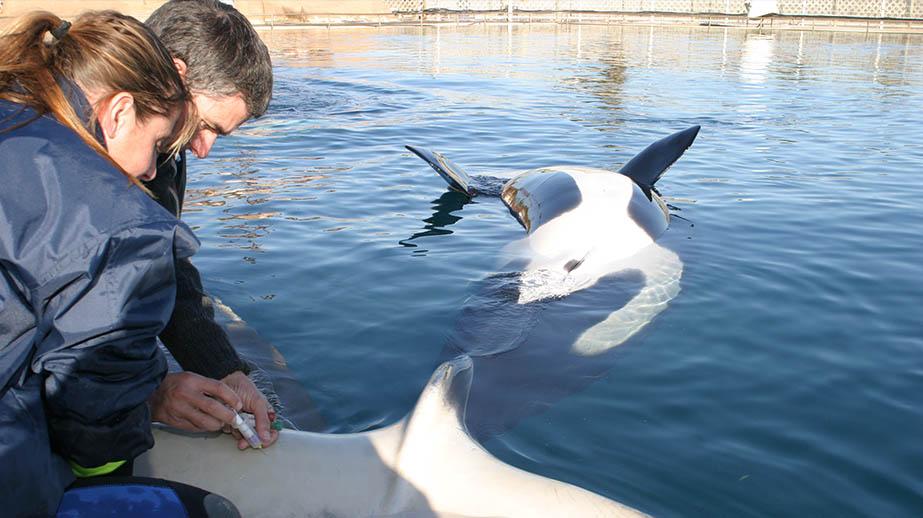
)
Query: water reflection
[
  {"x": 452, "y": 50},
  {"x": 594, "y": 63},
  {"x": 249, "y": 197},
  {"x": 756, "y": 57},
  {"x": 435, "y": 225}
]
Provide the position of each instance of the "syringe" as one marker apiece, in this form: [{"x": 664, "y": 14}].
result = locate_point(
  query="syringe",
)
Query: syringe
[{"x": 246, "y": 431}]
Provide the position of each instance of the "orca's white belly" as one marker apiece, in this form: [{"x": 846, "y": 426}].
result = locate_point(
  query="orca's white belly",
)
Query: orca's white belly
[{"x": 425, "y": 465}]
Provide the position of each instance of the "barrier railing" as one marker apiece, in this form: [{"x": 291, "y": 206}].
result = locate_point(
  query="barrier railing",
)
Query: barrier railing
[{"x": 904, "y": 9}]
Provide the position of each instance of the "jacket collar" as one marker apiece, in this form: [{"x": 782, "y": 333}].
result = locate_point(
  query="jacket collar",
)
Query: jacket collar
[{"x": 82, "y": 107}]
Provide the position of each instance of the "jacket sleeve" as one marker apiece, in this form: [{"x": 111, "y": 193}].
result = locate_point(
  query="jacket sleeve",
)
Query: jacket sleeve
[
  {"x": 192, "y": 336},
  {"x": 99, "y": 359}
]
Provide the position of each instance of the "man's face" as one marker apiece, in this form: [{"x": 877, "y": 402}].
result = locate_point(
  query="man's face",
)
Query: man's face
[{"x": 219, "y": 115}]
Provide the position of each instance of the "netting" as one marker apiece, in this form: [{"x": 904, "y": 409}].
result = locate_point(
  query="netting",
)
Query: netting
[{"x": 860, "y": 8}]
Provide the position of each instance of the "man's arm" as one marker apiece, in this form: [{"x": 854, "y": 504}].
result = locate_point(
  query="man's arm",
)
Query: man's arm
[
  {"x": 197, "y": 342},
  {"x": 192, "y": 336}
]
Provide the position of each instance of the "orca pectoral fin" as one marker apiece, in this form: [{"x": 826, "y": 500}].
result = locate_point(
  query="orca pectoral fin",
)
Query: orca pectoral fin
[
  {"x": 454, "y": 175},
  {"x": 662, "y": 270},
  {"x": 649, "y": 165}
]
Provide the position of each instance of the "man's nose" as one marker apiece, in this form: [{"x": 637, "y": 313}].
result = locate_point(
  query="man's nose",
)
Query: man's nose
[
  {"x": 202, "y": 143},
  {"x": 151, "y": 172}
]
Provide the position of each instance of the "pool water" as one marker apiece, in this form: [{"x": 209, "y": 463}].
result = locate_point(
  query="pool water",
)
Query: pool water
[{"x": 784, "y": 378}]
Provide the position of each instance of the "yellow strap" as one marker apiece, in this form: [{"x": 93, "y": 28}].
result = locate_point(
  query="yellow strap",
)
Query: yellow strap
[{"x": 105, "y": 469}]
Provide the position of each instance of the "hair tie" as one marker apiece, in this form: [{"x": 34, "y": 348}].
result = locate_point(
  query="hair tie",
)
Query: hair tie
[{"x": 61, "y": 30}]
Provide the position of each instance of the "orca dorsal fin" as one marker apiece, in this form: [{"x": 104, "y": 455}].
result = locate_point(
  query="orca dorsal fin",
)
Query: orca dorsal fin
[
  {"x": 454, "y": 175},
  {"x": 649, "y": 165}
]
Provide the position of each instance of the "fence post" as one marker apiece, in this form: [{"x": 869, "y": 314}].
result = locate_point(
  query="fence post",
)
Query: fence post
[{"x": 509, "y": 11}]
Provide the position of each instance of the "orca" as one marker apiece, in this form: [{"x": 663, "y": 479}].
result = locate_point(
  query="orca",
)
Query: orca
[
  {"x": 425, "y": 465},
  {"x": 590, "y": 273},
  {"x": 584, "y": 224}
]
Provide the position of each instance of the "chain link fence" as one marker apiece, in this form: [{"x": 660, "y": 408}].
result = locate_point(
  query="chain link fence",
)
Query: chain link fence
[{"x": 841, "y": 8}]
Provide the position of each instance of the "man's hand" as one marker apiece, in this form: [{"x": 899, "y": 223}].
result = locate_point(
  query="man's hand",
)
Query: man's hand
[
  {"x": 191, "y": 402},
  {"x": 255, "y": 403}
]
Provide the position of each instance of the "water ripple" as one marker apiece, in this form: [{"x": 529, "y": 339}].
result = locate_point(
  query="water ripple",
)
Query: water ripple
[{"x": 785, "y": 377}]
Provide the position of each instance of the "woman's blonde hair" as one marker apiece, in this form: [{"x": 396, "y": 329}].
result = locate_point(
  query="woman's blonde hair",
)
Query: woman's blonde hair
[{"x": 104, "y": 52}]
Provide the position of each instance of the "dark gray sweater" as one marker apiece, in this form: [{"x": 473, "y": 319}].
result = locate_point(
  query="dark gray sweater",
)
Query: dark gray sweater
[{"x": 192, "y": 336}]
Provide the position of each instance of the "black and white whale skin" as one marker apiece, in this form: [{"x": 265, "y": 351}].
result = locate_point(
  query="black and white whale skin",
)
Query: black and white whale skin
[
  {"x": 585, "y": 224},
  {"x": 590, "y": 273}
]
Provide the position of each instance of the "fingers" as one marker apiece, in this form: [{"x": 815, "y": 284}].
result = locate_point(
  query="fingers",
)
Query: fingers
[
  {"x": 212, "y": 412},
  {"x": 203, "y": 421},
  {"x": 260, "y": 410},
  {"x": 192, "y": 402},
  {"x": 189, "y": 419},
  {"x": 187, "y": 401},
  {"x": 255, "y": 403},
  {"x": 273, "y": 437},
  {"x": 242, "y": 443},
  {"x": 223, "y": 393}
]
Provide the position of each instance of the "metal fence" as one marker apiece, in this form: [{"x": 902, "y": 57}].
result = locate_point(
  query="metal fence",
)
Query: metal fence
[
  {"x": 912, "y": 9},
  {"x": 859, "y": 8}
]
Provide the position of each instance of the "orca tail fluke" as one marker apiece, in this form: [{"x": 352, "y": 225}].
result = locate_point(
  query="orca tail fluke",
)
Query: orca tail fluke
[
  {"x": 649, "y": 165},
  {"x": 454, "y": 175}
]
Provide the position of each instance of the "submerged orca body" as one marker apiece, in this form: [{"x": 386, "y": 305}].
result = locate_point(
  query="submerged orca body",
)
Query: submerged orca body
[
  {"x": 425, "y": 465},
  {"x": 589, "y": 274}
]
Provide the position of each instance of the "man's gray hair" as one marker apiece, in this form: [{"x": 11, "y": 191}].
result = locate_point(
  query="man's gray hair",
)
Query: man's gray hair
[{"x": 224, "y": 56}]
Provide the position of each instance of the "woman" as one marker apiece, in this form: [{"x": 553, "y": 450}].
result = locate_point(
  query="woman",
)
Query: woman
[{"x": 86, "y": 256}]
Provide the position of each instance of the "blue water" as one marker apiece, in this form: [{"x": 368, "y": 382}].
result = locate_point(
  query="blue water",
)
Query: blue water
[{"x": 784, "y": 379}]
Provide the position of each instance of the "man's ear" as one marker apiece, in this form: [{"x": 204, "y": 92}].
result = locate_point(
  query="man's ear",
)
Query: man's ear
[
  {"x": 117, "y": 114},
  {"x": 180, "y": 67}
]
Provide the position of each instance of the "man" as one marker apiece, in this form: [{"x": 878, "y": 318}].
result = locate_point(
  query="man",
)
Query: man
[{"x": 228, "y": 70}]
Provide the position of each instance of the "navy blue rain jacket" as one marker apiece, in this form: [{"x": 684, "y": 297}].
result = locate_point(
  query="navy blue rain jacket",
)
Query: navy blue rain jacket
[{"x": 86, "y": 285}]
